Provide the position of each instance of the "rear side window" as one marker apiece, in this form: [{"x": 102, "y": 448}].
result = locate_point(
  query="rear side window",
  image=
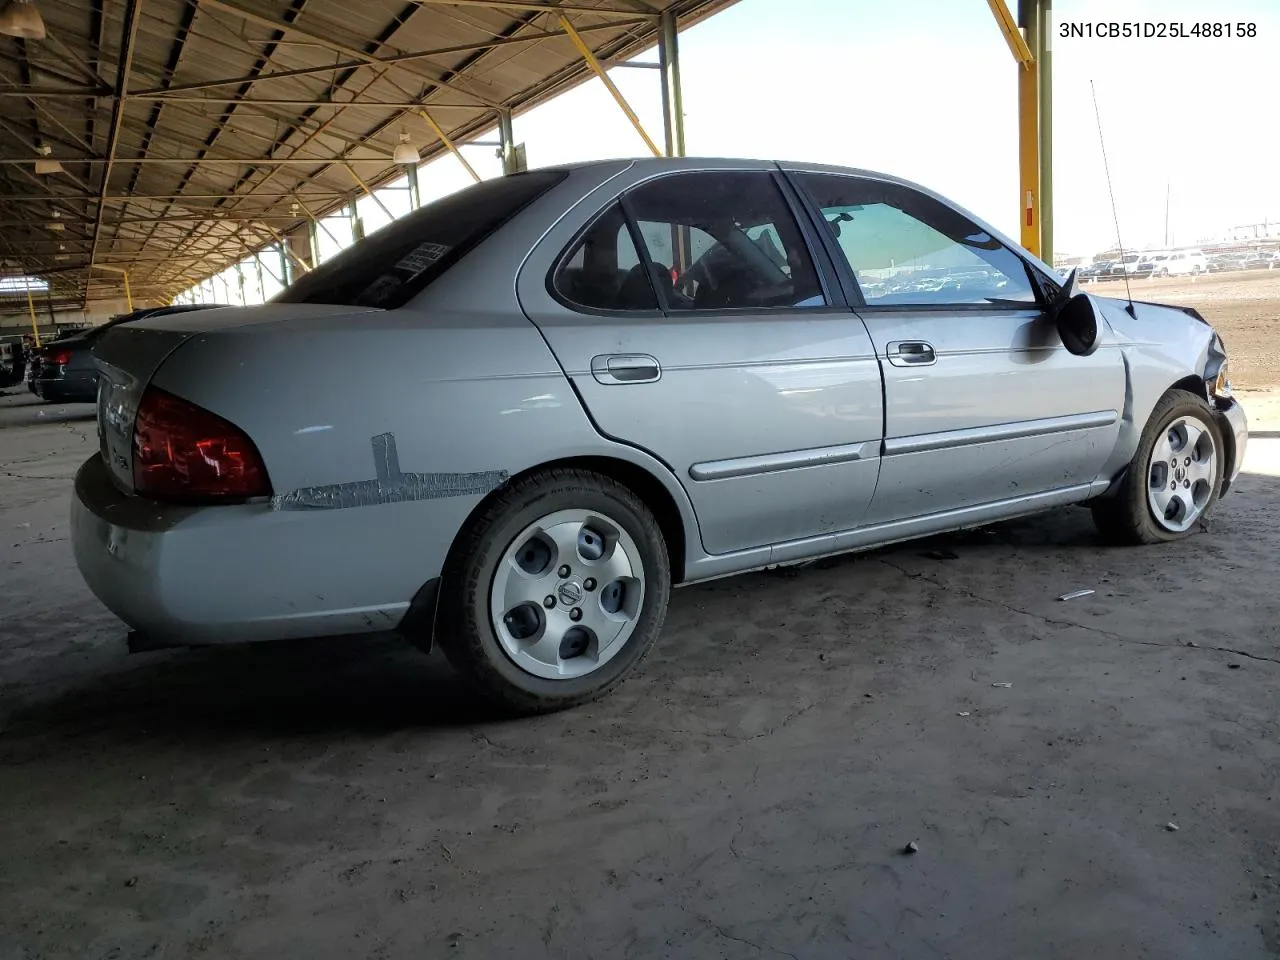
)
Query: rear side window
[
  {"x": 603, "y": 269},
  {"x": 724, "y": 240},
  {"x": 399, "y": 261}
]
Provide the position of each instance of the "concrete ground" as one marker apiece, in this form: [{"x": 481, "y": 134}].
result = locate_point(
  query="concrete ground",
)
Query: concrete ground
[{"x": 747, "y": 794}]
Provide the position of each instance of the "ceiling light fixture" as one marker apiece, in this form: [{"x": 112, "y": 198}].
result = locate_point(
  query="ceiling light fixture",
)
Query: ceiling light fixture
[
  {"x": 45, "y": 165},
  {"x": 406, "y": 153},
  {"x": 21, "y": 19}
]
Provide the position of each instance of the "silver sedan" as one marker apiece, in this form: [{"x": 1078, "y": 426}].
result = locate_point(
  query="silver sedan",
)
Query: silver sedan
[{"x": 512, "y": 421}]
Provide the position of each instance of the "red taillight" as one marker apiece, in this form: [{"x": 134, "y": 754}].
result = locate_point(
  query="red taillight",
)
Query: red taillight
[
  {"x": 58, "y": 358},
  {"x": 181, "y": 451}
]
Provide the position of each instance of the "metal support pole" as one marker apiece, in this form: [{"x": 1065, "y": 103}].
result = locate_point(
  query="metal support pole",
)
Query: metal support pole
[
  {"x": 599, "y": 71},
  {"x": 1028, "y": 156},
  {"x": 357, "y": 225},
  {"x": 265, "y": 269},
  {"x": 507, "y": 142},
  {"x": 672, "y": 96},
  {"x": 365, "y": 187},
  {"x": 257, "y": 262},
  {"x": 31, "y": 305},
  {"x": 128, "y": 293},
  {"x": 415, "y": 193},
  {"x": 286, "y": 251},
  {"x": 444, "y": 138},
  {"x": 1028, "y": 121},
  {"x": 1044, "y": 71}
]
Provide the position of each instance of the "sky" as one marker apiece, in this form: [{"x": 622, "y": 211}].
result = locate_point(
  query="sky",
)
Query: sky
[{"x": 927, "y": 90}]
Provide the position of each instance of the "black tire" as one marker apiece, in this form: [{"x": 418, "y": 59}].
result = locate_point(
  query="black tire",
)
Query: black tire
[
  {"x": 1126, "y": 517},
  {"x": 464, "y": 628}
]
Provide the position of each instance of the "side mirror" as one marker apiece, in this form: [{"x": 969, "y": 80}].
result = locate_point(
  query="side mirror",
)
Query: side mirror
[
  {"x": 1075, "y": 318},
  {"x": 1078, "y": 325}
]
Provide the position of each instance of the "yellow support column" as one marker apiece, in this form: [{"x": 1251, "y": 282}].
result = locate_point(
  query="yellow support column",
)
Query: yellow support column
[
  {"x": 1028, "y": 127},
  {"x": 1029, "y": 154},
  {"x": 31, "y": 305},
  {"x": 599, "y": 71},
  {"x": 449, "y": 144},
  {"x": 128, "y": 294}
]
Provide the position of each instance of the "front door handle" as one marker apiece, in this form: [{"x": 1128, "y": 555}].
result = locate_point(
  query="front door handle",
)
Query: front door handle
[
  {"x": 620, "y": 368},
  {"x": 910, "y": 353}
]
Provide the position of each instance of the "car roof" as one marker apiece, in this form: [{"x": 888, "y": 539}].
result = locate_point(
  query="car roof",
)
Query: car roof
[
  {"x": 656, "y": 165},
  {"x": 659, "y": 164}
]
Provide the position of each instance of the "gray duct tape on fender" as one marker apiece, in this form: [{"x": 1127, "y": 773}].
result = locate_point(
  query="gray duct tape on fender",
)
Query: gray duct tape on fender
[{"x": 389, "y": 485}]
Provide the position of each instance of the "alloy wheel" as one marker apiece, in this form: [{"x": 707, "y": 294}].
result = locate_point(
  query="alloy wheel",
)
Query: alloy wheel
[
  {"x": 567, "y": 594},
  {"x": 1181, "y": 474}
]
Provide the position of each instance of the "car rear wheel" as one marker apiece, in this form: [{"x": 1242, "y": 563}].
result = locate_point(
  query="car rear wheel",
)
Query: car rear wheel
[
  {"x": 1174, "y": 478},
  {"x": 556, "y": 591}
]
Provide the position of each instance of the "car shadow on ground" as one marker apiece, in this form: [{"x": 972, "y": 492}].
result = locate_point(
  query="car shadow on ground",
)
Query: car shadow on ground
[
  {"x": 380, "y": 685},
  {"x": 266, "y": 690},
  {"x": 376, "y": 686}
]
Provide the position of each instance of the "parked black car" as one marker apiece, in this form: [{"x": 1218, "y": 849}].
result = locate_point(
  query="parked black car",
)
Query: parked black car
[
  {"x": 13, "y": 360},
  {"x": 1226, "y": 262},
  {"x": 63, "y": 371}
]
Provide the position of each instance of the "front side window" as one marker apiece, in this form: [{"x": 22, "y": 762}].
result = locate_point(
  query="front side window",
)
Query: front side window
[
  {"x": 724, "y": 240},
  {"x": 908, "y": 249},
  {"x": 401, "y": 259}
]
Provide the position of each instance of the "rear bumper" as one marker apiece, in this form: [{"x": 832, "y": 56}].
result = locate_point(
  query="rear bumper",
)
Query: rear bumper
[
  {"x": 1235, "y": 429},
  {"x": 193, "y": 576},
  {"x": 80, "y": 386}
]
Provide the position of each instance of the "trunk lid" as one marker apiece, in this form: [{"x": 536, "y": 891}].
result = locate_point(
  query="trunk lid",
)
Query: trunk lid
[{"x": 128, "y": 356}]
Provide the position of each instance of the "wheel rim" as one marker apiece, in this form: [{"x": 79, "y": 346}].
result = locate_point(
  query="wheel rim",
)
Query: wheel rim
[
  {"x": 1182, "y": 473},
  {"x": 567, "y": 594}
]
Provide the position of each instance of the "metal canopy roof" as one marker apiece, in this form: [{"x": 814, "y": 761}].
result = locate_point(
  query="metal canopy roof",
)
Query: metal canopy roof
[{"x": 187, "y": 130}]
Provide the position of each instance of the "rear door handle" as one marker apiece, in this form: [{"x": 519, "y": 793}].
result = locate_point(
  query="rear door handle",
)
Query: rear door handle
[
  {"x": 620, "y": 368},
  {"x": 910, "y": 353}
]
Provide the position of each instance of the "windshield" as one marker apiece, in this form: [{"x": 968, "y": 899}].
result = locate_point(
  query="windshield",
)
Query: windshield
[{"x": 397, "y": 262}]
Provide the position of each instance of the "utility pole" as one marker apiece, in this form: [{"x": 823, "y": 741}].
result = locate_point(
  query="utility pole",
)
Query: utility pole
[{"x": 1166, "y": 213}]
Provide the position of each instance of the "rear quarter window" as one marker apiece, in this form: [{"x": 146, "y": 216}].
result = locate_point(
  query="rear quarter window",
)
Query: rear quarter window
[{"x": 393, "y": 265}]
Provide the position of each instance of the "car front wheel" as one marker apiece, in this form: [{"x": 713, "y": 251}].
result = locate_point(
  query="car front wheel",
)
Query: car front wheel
[
  {"x": 556, "y": 591},
  {"x": 1174, "y": 478}
]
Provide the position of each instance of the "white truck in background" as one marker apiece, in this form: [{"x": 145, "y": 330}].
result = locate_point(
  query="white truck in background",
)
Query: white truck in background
[{"x": 1181, "y": 263}]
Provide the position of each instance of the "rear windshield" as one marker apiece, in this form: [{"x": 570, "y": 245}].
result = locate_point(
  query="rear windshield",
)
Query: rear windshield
[{"x": 400, "y": 260}]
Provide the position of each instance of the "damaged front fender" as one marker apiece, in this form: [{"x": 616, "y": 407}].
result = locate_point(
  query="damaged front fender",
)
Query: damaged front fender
[{"x": 1163, "y": 348}]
